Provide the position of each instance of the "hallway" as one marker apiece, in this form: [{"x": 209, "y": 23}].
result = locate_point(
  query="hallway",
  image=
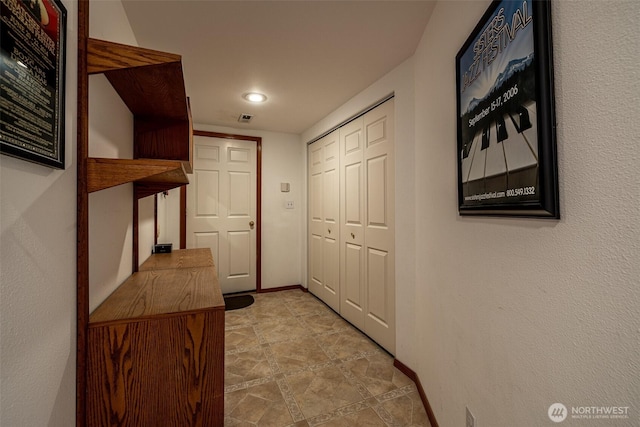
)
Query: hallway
[{"x": 292, "y": 361}]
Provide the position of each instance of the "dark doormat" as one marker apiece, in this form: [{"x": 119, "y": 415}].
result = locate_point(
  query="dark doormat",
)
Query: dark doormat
[{"x": 235, "y": 302}]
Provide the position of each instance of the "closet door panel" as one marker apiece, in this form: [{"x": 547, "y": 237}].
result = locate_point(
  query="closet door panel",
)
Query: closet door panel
[
  {"x": 377, "y": 268},
  {"x": 377, "y": 196},
  {"x": 330, "y": 202},
  {"x": 331, "y": 260},
  {"x": 316, "y": 270},
  {"x": 352, "y": 271},
  {"x": 352, "y": 304},
  {"x": 316, "y": 226},
  {"x": 331, "y": 220},
  {"x": 324, "y": 214},
  {"x": 379, "y": 241}
]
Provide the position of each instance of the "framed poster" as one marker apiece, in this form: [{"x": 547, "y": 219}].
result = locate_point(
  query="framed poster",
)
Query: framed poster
[
  {"x": 32, "y": 77},
  {"x": 506, "y": 151}
]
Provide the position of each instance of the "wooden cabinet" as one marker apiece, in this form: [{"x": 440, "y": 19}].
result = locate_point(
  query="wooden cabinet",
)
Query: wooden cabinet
[{"x": 156, "y": 346}]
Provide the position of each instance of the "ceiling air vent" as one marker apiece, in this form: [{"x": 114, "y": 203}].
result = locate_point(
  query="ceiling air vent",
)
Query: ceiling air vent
[{"x": 245, "y": 118}]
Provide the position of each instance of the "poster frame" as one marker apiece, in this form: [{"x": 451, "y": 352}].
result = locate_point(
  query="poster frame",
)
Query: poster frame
[
  {"x": 26, "y": 146},
  {"x": 539, "y": 196}
]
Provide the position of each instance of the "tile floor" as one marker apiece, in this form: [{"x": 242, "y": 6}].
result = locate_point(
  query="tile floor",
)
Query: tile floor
[{"x": 291, "y": 361}]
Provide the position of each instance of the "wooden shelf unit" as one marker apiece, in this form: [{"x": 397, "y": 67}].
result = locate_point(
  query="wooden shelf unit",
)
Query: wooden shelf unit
[
  {"x": 156, "y": 346},
  {"x": 153, "y": 352},
  {"x": 151, "y": 84}
]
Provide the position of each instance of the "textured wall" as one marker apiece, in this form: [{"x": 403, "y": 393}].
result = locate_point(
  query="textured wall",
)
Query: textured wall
[
  {"x": 38, "y": 278},
  {"x": 516, "y": 314}
]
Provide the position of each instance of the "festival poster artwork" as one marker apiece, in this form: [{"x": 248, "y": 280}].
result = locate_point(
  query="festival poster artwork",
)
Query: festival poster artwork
[
  {"x": 506, "y": 125},
  {"x": 32, "y": 77}
]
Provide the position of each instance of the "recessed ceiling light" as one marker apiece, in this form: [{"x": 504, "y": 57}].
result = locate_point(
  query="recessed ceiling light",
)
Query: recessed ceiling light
[{"x": 254, "y": 97}]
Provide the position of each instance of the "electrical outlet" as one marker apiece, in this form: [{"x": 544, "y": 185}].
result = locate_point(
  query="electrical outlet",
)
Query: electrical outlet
[
  {"x": 471, "y": 420},
  {"x": 288, "y": 204}
]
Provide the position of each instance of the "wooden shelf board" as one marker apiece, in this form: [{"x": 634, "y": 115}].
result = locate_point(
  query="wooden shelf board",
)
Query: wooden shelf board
[
  {"x": 150, "y": 83},
  {"x": 106, "y": 173},
  {"x": 103, "y": 56}
]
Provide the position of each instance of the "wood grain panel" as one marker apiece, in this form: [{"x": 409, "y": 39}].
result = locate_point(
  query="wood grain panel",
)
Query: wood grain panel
[
  {"x": 106, "y": 56},
  {"x": 161, "y": 292},
  {"x": 156, "y": 139},
  {"x": 181, "y": 258},
  {"x": 105, "y": 173},
  {"x": 158, "y": 372},
  {"x": 155, "y": 91},
  {"x": 82, "y": 248},
  {"x": 146, "y": 189}
]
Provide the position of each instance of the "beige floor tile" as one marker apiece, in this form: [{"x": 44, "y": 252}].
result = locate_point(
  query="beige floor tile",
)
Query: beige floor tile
[
  {"x": 298, "y": 354},
  {"x": 275, "y": 310},
  {"x": 246, "y": 366},
  {"x": 309, "y": 306},
  {"x": 407, "y": 410},
  {"x": 377, "y": 373},
  {"x": 282, "y": 329},
  {"x": 240, "y": 338},
  {"x": 235, "y": 318},
  {"x": 346, "y": 343},
  {"x": 324, "y": 322},
  {"x": 364, "y": 418},
  {"x": 323, "y": 390},
  {"x": 261, "y": 405}
]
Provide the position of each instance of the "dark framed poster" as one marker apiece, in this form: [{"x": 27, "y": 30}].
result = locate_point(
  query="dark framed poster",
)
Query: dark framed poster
[
  {"x": 506, "y": 152},
  {"x": 32, "y": 80}
]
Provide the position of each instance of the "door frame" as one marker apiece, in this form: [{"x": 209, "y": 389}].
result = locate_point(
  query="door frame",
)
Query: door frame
[{"x": 183, "y": 198}]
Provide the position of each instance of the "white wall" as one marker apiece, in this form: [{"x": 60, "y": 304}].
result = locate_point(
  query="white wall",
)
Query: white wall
[
  {"x": 169, "y": 218},
  {"x": 282, "y": 229},
  {"x": 111, "y": 136},
  {"x": 38, "y": 278},
  {"x": 516, "y": 314}
]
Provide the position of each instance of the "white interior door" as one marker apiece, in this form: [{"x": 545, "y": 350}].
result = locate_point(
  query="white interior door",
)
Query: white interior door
[
  {"x": 316, "y": 270},
  {"x": 324, "y": 214},
  {"x": 352, "y": 223},
  {"x": 221, "y": 208},
  {"x": 379, "y": 184},
  {"x": 367, "y": 262}
]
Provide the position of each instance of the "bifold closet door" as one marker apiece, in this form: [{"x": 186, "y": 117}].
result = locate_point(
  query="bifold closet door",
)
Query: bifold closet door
[
  {"x": 367, "y": 261},
  {"x": 324, "y": 250}
]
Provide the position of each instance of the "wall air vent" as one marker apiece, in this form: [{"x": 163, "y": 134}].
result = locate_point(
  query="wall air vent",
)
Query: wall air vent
[{"x": 245, "y": 118}]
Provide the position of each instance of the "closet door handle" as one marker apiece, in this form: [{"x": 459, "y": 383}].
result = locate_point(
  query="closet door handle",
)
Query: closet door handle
[
  {"x": 251, "y": 224},
  {"x": 353, "y": 236}
]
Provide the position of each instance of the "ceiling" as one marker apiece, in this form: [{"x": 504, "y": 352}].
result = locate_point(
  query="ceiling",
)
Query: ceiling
[{"x": 308, "y": 57}]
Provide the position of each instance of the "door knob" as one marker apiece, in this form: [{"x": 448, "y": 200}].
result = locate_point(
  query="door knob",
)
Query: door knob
[
  {"x": 353, "y": 236},
  {"x": 251, "y": 224}
]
